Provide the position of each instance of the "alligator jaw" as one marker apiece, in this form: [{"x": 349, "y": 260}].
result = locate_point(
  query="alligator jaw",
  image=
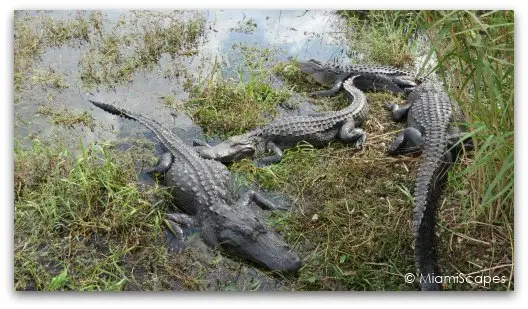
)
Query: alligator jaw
[
  {"x": 318, "y": 72},
  {"x": 230, "y": 150},
  {"x": 265, "y": 249}
]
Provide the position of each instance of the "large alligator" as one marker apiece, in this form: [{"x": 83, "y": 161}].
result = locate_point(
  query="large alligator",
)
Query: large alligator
[
  {"x": 201, "y": 188},
  {"x": 386, "y": 78},
  {"x": 431, "y": 128},
  {"x": 317, "y": 129}
]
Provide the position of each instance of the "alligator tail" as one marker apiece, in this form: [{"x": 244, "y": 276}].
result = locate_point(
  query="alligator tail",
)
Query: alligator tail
[
  {"x": 119, "y": 111},
  {"x": 114, "y": 110},
  {"x": 431, "y": 178}
]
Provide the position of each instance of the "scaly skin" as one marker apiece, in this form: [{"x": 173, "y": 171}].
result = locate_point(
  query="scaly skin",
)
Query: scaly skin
[
  {"x": 388, "y": 78},
  {"x": 430, "y": 114},
  {"x": 317, "y": 129},
  {"x": 200, "y": 187}
]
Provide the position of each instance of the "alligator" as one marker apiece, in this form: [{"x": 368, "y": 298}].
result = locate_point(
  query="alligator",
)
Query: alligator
[
  {"x": 317, "y": 129},
  {"x": 431, "y": 129},
  {"x": 385, "y": 77},
  {"x": 200, "y": 187}
]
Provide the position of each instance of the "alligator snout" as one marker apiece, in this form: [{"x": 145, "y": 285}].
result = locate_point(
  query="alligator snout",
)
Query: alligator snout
[
  {"x": 227, "y": 152},
  {"x": 267, "y": 250}
]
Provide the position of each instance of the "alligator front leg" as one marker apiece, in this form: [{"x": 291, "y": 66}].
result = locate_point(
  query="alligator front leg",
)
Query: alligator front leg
[
  {"x": 163, "y": 165},
  {"x": 399, "y": 113},
  {"x": 404, "y": 81},
  {"x": 351, "y": 135},
  {"x": 328, "y": 93},
  {"x": 199, "y": 145},
  {"x": 277, "y": 157},
  {"x": 198, "y": 142},
  {"x": 253, "y": 196},
  {"x": 408, "y": 141}
]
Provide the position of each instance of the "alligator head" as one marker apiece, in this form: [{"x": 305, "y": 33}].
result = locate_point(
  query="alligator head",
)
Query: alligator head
[
  {"x": 318, "y": 71},
  {"x": 243, "y": 235},
  {"x": 233, "y": 149}
]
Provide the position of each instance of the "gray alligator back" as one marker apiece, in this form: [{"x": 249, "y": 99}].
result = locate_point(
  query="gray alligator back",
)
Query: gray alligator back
[
  {"x": 320, "y": 122},
  {"x": 431, "y": 113},
  {"x": 196, "y": 182}
]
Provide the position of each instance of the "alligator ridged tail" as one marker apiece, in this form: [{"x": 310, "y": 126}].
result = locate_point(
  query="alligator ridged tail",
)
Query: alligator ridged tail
[
  {"x": 431, "y": 178},
  {"x": 114, "y": 110},
  {"x": 119, "y": 111}
]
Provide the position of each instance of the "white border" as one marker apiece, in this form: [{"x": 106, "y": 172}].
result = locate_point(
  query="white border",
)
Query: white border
[{"x": 217, "y": 300}]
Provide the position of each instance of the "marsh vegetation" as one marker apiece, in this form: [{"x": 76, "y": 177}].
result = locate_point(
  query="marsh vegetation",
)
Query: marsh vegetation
[{"x": 85, "y": 221}]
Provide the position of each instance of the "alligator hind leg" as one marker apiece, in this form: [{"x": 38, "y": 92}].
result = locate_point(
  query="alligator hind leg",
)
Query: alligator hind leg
[
  {"x": 409, "y": 141},
  {"x": 351, "y": 135},
  {"x": 163, "y": 165},
  {"x": 399, "y": 113},
  {"x": 458, "y": 140},
  {"x": 277, "y": 157},
  {"x": 328, "y": 93},
  {"x": 174, "y": 223}
]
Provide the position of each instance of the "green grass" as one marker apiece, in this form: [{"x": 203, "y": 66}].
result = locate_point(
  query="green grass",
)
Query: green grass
[
  {"x": 381, "y": 37},
  {"x": 475, "y": 52},
  {"x": 84, "y": 223},
  {"x": 351, "y": 219},
  {"x": 233, "y": 106},
  {"x": 58, "y": 32},
  {"x": 33, "y": 34},
  {"x": 294, "y": 79},
  {"x": 50, "y": 78},
  {"x": 67, "y": 118},
  {"x": 247, "y": 26},
  {"x": 474, "y": 58},
  {"x": 114, "y": 56}
]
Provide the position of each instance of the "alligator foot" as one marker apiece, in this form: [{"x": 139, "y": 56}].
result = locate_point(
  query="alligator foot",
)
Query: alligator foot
[
  {"x": 265, "y": 161},
  {"x": 174, "y": 223},
  {"x": 398, "y": 113},
  {"x": 351, "y": 135},
  {"x": 276, "y": 158},
  {"x": 259, "y": 199},
  {"x": 360, "y": 136},
  {"x": 459, "y": 141},
  {"x": 408, "y": 141},
  {"x": 163, "y": 165}
]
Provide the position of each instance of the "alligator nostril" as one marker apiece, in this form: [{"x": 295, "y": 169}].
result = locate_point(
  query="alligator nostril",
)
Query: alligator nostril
[{"x": 296, "y": 263}]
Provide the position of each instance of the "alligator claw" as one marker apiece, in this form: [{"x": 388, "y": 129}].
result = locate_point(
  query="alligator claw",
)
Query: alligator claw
[
  {"x": 360, "y": 141},
  {"x": 174, "y": 223},
  {"x": 174, "y": 228}
]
